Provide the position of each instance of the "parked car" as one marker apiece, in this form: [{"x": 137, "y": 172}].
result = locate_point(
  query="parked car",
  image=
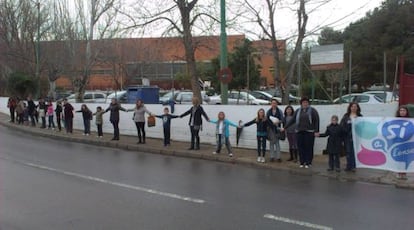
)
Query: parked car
[
  {"x": 121, "y": 96},
  {"x": 361, "y": 98},
  {"x": 166, "y": 98},
  {"x": 90, "y": 97},
  {"x": 386, "y": 96},
  {"x": 261, "y": 95},
  {"x": 185, "y": 97},
  {"x": 242, "y": 98},
  {"x": 379, "y": 86},
  {"x": 277, "y": 94}
]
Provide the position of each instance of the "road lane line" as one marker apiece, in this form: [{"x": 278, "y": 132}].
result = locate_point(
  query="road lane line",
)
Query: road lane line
[
  {"x": 122, "y": 185},
  {"x": 297, "y": 222}
]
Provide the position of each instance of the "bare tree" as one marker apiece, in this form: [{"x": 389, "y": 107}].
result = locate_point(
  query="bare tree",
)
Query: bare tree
[
  {"x": 193, "y": 17},
  {"x": 55, "y": 52},
  {"x": 301, "y": 27},
  {"x": 265, "y": 16},
  {"x": 18, "y": 26},
  {"x": 269, "y": 30},
  {"x": 94, "y": 19}
]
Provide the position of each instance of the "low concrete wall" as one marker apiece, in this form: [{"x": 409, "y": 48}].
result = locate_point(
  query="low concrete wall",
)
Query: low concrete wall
[{"x": 180, "y": 130}]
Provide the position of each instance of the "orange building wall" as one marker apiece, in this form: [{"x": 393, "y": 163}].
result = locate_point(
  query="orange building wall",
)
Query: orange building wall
[{"x": 136, "y": 50}]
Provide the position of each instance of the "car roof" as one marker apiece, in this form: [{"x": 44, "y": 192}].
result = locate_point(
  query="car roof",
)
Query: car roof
[{"x": 116, "y": 93}]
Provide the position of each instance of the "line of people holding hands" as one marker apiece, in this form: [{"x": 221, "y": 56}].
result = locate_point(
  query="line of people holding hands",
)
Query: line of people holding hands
[{"x": 299, "y": 127}]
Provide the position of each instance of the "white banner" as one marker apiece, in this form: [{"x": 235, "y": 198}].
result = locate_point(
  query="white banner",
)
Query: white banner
[{"x": 384, "y": 143}]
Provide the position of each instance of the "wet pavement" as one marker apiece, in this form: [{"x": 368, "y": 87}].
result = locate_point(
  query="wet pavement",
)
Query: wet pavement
[{"x": 241, "y": 156}]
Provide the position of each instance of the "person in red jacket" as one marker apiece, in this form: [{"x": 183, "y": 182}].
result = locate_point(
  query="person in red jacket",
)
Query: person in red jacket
[{"x": 11, "y": 104}]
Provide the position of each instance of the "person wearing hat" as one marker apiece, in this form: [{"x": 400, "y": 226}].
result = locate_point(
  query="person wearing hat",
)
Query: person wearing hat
[{"x": 306, "y": 119}]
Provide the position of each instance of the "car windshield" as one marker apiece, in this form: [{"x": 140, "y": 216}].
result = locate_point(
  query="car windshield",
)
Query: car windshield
[{"x": 378, "y": 98}]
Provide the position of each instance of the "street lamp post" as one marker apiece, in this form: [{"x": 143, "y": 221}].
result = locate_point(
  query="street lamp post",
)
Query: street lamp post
[
  {"x": 253, "y": 54},
  {"x": 248, "y": 78},
  {"x": 223, "y": 50},
  {"x": 37, "y": 50}
]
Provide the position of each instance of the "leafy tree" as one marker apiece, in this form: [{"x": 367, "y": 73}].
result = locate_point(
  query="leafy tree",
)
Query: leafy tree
[
  {"x": 238, "y": 65},
  {"x": 330, "y": 36},
  {"x": 21, "y": 85},
  {"x": 388, "y": 29}
]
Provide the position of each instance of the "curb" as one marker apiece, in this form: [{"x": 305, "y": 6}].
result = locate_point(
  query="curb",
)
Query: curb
[{"x": 292, "y": 169}]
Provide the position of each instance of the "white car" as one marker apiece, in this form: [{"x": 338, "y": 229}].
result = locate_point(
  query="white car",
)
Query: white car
[
  {"x": 90, "y": 97},
  {"x": 239, "y": 98},
  {"x": 386, "y": 96},
  {"x": 186, "y": 97},
  {"x": 121, "y": 96},
  {"x": 379, "y": 86},
  {"x": 166, "y": 98},
  {"x": 360, "y": 98}
]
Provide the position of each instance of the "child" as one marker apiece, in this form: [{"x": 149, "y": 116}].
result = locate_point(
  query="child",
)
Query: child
[
  {"x": 166, "y": 124},
  {"x": 291, "y": 134},
  {"x": 334, "y": 133},
  {"x": 222, "y": 132},
  {"x": 25, "y": 114},
  {"x": 58, "y": 112},
  {"x": 49, "y": 113},
  {"x": 261, "y": 134},
  {"x": 99, "y": 120},
  {"x": 87, "y": 117}
]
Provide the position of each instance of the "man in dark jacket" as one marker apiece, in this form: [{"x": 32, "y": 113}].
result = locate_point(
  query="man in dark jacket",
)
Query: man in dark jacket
[{"x": 114, "y": 108}]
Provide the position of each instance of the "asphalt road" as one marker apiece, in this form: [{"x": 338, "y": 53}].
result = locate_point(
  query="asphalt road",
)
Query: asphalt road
[{"x": 48, "y": 184}]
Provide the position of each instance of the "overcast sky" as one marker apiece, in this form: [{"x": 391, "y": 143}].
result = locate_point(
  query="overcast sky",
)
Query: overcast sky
[{"x": 337, "y": 14}]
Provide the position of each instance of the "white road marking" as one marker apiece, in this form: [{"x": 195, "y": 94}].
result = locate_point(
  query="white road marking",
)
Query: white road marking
[
  {"x": 137, "y": 188},
  {"x": 297, "y": 222}
]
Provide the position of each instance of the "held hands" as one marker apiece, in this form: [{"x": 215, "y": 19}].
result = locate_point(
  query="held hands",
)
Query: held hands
[
  {"x": 317, "y": 134},
  {"x": 282, "y": 130}
]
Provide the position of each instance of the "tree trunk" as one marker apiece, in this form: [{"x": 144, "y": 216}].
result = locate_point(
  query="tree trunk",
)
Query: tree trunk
[
  {"x": 52, "y": 89},
  {"x": 185, "y": 9},
  {"x": 302, "y": 21}
]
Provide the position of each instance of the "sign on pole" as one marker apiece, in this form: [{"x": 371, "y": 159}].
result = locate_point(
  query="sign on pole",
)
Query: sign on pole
[{"x": 327, "y": 57}]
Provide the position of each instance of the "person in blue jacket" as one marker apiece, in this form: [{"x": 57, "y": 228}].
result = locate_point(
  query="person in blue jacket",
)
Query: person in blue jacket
[{"x": 223, "y": 132}]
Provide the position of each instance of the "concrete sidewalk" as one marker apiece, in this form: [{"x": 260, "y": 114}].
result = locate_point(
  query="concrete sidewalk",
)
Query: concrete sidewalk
[{"x": 241, "y": 155}]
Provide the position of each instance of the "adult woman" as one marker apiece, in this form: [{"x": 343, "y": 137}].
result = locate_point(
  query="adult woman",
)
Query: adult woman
[
  {"x": 139, "y": 119},
  {"x": 291, "y": 133},
  {"x": 353, "y": 112},
  {"x": 306, "y": 119},
  {"x": 195, "y": 122},
  {"x": 114, "y": 108},
  {"x": 273, "y": 133},
  {"x": 402, "y": 112}
]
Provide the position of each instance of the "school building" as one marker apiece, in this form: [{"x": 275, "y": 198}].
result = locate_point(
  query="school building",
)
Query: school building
[{"x": 126, "y": 61}]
